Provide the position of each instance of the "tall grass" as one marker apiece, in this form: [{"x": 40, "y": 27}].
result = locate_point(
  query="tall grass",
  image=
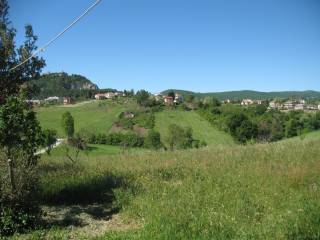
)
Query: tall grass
[{"x": 269, "y": 191}]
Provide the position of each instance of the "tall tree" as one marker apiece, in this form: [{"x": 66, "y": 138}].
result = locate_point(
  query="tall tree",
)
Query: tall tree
[
  {"x": 12, "y": 80},
  {"x": 67, "y": 123},
  {"x": 20, "y": 132}
]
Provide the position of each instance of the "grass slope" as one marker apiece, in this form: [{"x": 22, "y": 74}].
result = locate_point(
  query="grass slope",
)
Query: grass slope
[
  {"x": 263, "y": 191},
  {"x": 94, "y": 116},
  {"x": 202, "y": 130}
]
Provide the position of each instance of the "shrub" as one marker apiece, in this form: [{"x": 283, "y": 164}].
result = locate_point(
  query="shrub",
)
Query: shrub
[
  {"x": 179, "y": 137},
  {"x": 153, "y": 140},
  {"x": 67, "y": 123}
]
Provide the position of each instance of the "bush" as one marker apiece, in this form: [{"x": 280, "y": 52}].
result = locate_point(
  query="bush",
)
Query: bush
[
  {"x": 179, "y": 137},
  {"x": 19, "y": 207},
  {"x": 118, "y": 139},
  {"x": 153, "y": 140}
]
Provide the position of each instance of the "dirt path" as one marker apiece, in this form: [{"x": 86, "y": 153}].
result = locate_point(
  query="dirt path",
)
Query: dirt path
[{"x": 58, "y": 142}]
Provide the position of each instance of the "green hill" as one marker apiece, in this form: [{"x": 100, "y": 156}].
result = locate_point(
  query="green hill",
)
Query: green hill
[
  {"x": 202, "y": 130},
  {"x": 93, "y": 117},
  {"x": 99, "y": 116},
  {"x": 239, "y": 95}
]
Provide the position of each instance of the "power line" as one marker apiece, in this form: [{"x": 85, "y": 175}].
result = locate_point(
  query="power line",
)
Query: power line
[{"x": 58, "y": 35}]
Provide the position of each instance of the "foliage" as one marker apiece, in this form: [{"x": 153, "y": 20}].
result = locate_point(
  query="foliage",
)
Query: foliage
[
  {"x": 153, "y": 140},
  {"x": 67, "y": 123},
  {"x": 255, "y": 95},
  {"x": 257, "y": 124},
  {"x": 20, "y": 136},
  {"x": 49, "y": 138},
  {"x": 179, "y": 137},
  {"x": 142, "y": 97},
  {"x": 118, "y": 139},
  {"x": 63, "y": 85}
]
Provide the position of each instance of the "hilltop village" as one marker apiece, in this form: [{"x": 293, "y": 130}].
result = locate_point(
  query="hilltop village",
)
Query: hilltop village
[{"x": 175, "y": 98}]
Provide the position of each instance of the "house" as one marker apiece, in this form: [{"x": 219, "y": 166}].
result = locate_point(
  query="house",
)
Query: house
[
  {"x": 168, "y": 100},
  {"x": 52, "y": 100},
  {"x": 158, "y": 97},
  {"x": 275, "y": 105},
  {"x": 106, "y": 95},
  {"x": 299, "y": 106},
  {"x": 33, "y": 103},
  {"x": 247, "y": 102},
  {"x": 226, "y": 101},
  {"x": 178, "y": 98},
  {"x": 68, "y": 100},
  {"x": 259, "y": 102},
  {"x": 319, "y": 107},
  {"x": 289, "y": 105}
]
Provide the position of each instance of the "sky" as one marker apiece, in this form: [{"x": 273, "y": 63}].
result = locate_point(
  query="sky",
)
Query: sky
[{"x": 198, "y": 45}]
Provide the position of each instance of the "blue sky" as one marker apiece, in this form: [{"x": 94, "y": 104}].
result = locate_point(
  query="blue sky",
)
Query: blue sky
[{"x": 199, "y": 45}]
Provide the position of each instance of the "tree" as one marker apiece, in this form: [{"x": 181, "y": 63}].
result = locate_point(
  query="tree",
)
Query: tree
[
  {"x": 20, "y": 132},
  {"x": 153, "y": 140},
  {"x": 67, "y": 123},
  {"x": 49, "y": 138},
  {"x": 20, "y": 137},
  {"x": 142, "y": 97},
  {"x": 179, "y": 137},
  {"x": 171, "y": 94},
  {"x": 11, "y": 81}
]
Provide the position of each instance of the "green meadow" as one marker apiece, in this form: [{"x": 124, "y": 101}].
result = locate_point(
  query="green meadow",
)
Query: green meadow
[
  {"x": 92, "y": 117},
  {"x": 222, "y": 191},
  {"x": 263, "y": 191}
]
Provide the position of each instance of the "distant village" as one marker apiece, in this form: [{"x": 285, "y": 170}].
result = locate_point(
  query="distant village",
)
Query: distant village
[{"x": 176, "y": 99}]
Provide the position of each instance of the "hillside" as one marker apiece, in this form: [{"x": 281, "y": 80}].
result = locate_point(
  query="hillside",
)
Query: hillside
[
  {"x": 239, "y": 95},
  {"x": 202, "y": 130},
  {"x": 99, "y": 116},
  {"x": 92, "y": 117},
  {"x": 267, "y": 191},
  {"x": 61, "y": 84}
]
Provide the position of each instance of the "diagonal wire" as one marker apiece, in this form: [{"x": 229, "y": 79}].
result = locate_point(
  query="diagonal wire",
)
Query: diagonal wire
[{"x": 58, "y": 35}]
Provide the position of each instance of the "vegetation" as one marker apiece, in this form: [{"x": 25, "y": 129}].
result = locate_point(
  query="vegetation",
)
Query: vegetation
[
  {"x": 67, "y": 123},
  {"x": 63, "y": 85},
  {"x": 92, "y": 117},
  {"x": 20, "y": 133},
  {"x": 239, "y": 95},
  {"x": 228, "y": 192},
  {"x": 255, "y": 123},
  {"x": 201, "y": 129}
]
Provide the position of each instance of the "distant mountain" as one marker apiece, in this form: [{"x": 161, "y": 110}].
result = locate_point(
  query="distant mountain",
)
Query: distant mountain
[
  {"x": 238, "y": 95},
  {"x": 62, "y": 84}
]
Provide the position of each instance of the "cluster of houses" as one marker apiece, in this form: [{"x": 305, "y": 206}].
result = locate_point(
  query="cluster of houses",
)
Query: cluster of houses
[
  {"x": 281, "y": 105},
  {"x": 51, "y": 100},
  {"x": 169, "y": 100},
  {"x": 109, "y": 95},
  {"x": 293, "y": 105}
]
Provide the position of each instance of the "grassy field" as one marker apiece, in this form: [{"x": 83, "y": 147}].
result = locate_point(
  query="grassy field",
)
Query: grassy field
[
  {"x": 93, "y": 117},
  {"x": 262, "y": 191},
  {"x": 98, "y": 117},
  {"x": 202, "y": 130}
]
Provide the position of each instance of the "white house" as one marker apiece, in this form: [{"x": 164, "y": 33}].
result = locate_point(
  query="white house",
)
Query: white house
[
  {"x": 289, "y": 105},
  {"x": 107, "y": 95},
  {"x": 299, "y": 106},
  {"x": 319, "y": 107},
  {"x": 275, "y": 105},
  {"x": 178, "y": 98},
  {"x": 54, "y": 99},
  {"x": 247, "y": 102}
]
